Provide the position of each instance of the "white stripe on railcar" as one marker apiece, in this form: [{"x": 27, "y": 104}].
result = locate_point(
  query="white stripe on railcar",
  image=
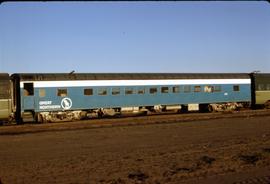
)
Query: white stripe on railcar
[{"x": 84, "y": 83}]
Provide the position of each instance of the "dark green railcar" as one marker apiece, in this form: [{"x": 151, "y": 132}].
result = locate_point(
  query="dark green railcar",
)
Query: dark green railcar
[
  {"x": 262, "y": 89},
  {"x": 5, "y": 97}
]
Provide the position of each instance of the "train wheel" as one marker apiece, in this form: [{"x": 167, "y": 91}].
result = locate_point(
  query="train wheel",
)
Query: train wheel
[
  {"x": 38, "y": 118},
  {"x": 267, "y": 104},
  {"x": 204, "y": 107},
  {"x": 210, "y": 108},
  {"x": 100, "y": 114}
]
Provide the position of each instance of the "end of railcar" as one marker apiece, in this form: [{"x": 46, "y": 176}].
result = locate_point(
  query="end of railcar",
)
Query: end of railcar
[{"x": 5, "y": 98}]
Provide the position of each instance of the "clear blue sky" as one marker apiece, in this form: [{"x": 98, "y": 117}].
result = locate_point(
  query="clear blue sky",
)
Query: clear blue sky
[{"x": 135, "y": 37}]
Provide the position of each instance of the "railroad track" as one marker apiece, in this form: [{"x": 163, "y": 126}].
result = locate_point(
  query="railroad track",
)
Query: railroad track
[
  {"x": 256, "y": 180},
  {"x": 13, "y": 129}
]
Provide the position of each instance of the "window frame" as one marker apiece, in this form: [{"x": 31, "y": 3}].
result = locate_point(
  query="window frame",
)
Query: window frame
[
  {"x": 176, "y": 91},
  {"x": 103, "y": 90},
  {"x": 260, "y": 87},
  {"x": 88, "y": 89},
  {"x": 141, "y": 90},
  {"x": 153, "y": 90},
  {"x": 116, "y": 91},
  {"x": 236, "y": 88},
  {"x": 197, "y": 89},
  {"x": 28, "y": 89},
  {"x": 129, "y": 91},
  {"x": 42, "y": 92},
  {"x": 165, "y": 91},
  {"x": 267, "y": 87},
  {"x": 60, "y": 92}
]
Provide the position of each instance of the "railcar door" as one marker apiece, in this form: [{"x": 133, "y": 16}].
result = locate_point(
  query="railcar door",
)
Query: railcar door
[{"x": 28, "y": 96}]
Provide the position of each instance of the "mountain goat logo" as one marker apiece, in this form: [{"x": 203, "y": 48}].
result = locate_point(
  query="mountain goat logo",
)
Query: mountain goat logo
[{"x": 66, "y": 103}]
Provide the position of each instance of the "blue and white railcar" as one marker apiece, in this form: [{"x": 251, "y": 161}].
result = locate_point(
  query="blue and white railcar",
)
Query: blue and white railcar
[{"x": 49, "y": 97}]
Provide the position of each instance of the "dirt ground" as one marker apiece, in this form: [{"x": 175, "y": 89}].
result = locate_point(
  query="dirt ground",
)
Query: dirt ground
[{"x": 234, "y": 150}]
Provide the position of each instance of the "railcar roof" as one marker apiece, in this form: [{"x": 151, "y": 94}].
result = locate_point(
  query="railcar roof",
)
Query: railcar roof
[
  {"x": 125, "y": 76},
  {"x": 4, "y": 76},
  {"x": 262, "y": 78},
  {"x": 262, "y": 75}
]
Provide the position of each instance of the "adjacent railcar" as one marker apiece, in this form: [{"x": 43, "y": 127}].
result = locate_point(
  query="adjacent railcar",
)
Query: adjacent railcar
[
  {"x": 52, "y": 97},
  {"x": 262, "y": 89},
  {"x": 5, "y": 97}
]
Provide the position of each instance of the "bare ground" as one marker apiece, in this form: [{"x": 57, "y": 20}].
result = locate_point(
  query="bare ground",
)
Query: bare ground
[{"x": 229, "y": 150}]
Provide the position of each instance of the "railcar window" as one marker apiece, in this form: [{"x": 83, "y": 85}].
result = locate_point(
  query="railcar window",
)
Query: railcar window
[
  {"x": 260, "y": 87},
  {"x": 129, "y": 91},
  {"x": 102, "y": 91},
  {"x": 153, "y": 90},
  {"x": 28, "y": 89},
  {"x": 164, "y": 89},
  {"x": 236, "y": 88},
  {"x": 208, "y": 89},
  {"x": 42, "y": 93},
  {"x": 263, "y": 87},
  {"x": 217, "y": 88},
  {"x": 62, "y": 92},
  {"x": 4, "y": 92},
  {"x": 115, "y": 91},
  {"x": 88, "y": 91},
  {"x": 187, "y": 89},
  {"x": 197, "y": 88},
  {"x": 175, "y": 89},
  {"x": 141, "y": 90}
]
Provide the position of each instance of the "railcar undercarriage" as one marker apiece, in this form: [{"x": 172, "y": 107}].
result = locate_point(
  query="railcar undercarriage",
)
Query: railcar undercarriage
[
  {"x": 56, "y": 116},
  {"x": 227, "y": 106}
]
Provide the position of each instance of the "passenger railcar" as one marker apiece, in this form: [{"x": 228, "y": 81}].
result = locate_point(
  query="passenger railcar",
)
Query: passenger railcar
[
  {"x": 5, "y": 97},
  {"x": 53, "y": 97},
  {"x": 261, "y": 89}
]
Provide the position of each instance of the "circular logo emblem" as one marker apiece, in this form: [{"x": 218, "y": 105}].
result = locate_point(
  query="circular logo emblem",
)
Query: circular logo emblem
[{"x": 66, "y": 103}]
